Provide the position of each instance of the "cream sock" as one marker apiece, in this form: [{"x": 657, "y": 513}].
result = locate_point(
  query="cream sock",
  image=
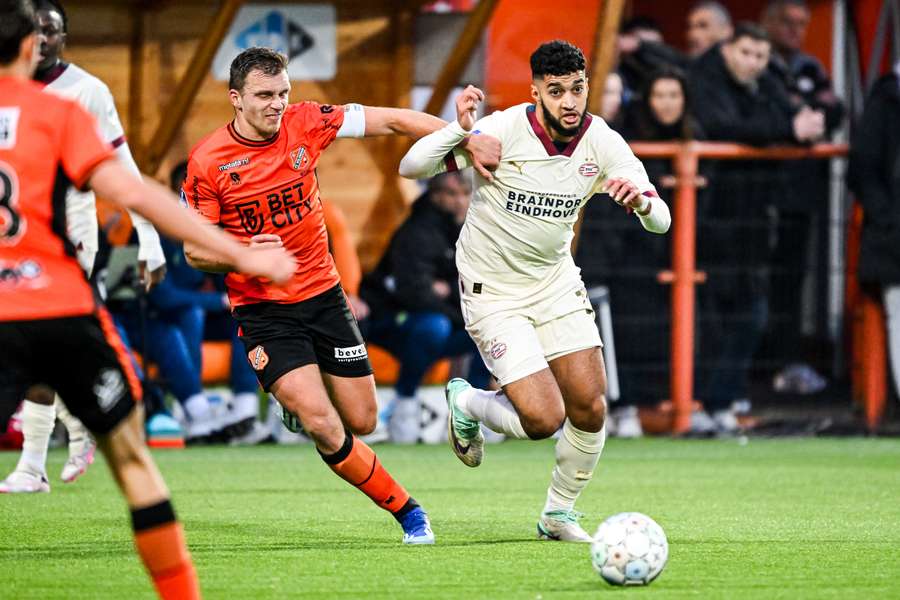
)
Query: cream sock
[
  {"x": 78, "y": 433},
  {"x": 493, "y": 409},
  {"x": 37, "y": 425},
  {"x": 577, "y": 454}
]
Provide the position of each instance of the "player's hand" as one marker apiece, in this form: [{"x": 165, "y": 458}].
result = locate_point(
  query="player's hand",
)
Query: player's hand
[
  {"x": 485, "y": 153},
  {"x": 271, "y": 263},
  {"x": 624, "y": 192},
  {"x": 358, "y": 307},
  {"x": 150, "y": 279},
  {"x": 266, "y": 240},
  {"x": 466, "y": 104}
]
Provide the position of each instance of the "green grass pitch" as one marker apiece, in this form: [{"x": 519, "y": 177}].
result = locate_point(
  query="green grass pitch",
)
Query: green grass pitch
[{"x": 796, "y": 518}]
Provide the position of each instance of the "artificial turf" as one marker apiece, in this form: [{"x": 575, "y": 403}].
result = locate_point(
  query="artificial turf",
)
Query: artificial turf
[{"x": 794, "y": 518}]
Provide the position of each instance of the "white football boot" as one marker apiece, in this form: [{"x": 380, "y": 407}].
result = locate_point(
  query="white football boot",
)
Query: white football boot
[
  {"x": 80, "y": 461},
  {"x": 23, "y": 482},
  {"x": 562, "y": 526}
]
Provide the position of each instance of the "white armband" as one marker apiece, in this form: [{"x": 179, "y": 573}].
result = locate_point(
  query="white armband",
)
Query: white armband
[{"x": 354, "y": 125}]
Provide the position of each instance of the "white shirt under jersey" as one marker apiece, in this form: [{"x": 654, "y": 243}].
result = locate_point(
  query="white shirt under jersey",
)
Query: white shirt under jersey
[
  {"x": 519, "y": 227},
  {"x": 71, "y": 81}
]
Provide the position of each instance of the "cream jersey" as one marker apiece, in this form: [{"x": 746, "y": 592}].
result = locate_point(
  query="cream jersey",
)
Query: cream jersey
[
  {"x": 519, "y": 227},
  {"x": 71, "y": 81}
]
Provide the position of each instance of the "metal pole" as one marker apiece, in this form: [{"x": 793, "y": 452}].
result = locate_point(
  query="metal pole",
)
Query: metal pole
[{"x": 684, "y": 276}]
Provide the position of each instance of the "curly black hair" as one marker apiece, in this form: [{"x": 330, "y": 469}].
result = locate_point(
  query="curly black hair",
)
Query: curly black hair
[
  {"x": 556, "y": 58},
  {"x": 56, "y": 6}
]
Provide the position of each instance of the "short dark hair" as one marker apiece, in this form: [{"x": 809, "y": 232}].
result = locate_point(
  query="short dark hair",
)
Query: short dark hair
[
  {"x": 17, "y": 22},
  {"x": 751, "y": 30},
  {"x": 55, "y": 6},
  {"x": 777, "y": 5},
  {"x": 257, "y": 58},
  {"x": 556, "y": 58},
  {"x": 641, "y": 22}
]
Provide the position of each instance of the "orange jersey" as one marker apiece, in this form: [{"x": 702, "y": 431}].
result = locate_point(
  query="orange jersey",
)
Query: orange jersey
[
  {"x": 47, "y": 143},
  {"x": 251, "y": 187}
]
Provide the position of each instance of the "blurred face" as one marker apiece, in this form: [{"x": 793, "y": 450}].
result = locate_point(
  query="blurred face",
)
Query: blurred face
[
  {"x": 561, "y": 102},
  {"x": 667, "y": 101},
  {"x": 746, "y": 58},
  {"x": 705, "y": 29},
  {"x": 260, "y": 105},
  {"x": 612, "y": 97},
  {"x": 787, "y": 27},
  {"x": 453, "y": 197},
  {"x": 53, "y": 39}
]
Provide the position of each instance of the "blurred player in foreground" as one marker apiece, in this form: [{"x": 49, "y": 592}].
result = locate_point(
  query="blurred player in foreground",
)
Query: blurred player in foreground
[
  {"x": 256, "y": 178},
  {"x": 53, "y": 330},
  {"x": 40, "y": 408},
  {"x": 522, "y": 296}
]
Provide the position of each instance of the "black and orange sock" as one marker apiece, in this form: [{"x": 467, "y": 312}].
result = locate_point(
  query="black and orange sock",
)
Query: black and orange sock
[
  {"x": 160, "y": 543},
  {"x": 358, "y": 465}
]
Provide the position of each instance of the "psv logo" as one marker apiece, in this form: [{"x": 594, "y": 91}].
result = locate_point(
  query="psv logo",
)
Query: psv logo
[
  {"x": 589, "y": 169},
  {"x": 300, "y": 159}
]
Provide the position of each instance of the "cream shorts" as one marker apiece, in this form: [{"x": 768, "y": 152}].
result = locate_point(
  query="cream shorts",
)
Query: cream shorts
[{"x": 519, "y": 338}]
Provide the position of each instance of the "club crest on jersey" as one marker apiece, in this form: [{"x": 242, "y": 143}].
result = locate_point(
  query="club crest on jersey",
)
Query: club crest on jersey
[
  {"x": 589, "y": 169},
  {"x": 258, "y": 358},
  {"x": 300, "y": 159}
]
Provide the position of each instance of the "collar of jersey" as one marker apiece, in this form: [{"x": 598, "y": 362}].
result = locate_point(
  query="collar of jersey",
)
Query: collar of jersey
[
  {"x": 54, "y": 73},
  {"x": 547, "y": 141},
  {"x": 247, "y": 141}
]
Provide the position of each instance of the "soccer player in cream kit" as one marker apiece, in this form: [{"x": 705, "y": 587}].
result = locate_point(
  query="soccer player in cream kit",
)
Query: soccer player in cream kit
[{"x": 522, "y": 296}]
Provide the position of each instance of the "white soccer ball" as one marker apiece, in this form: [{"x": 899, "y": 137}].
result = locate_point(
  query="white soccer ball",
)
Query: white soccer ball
[{"x": 629, "y": 549}]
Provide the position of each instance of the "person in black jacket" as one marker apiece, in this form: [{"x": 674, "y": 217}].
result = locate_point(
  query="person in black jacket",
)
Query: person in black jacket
[
  {"x": 414, "y": 297},
  {"x": 738, "y": 101},
  {"x": 875, "y": 178},
  {"x": 614, "y": 251}
]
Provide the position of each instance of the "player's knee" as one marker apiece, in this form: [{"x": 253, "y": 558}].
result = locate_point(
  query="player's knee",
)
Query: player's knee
[
  {"x": 542, "y": 426},
  {"x": 591, "y": 416},
  {"x": 362, "y": 422}
]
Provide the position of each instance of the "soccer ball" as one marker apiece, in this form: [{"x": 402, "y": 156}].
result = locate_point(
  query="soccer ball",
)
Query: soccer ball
[{"x": 629, "y": 549}]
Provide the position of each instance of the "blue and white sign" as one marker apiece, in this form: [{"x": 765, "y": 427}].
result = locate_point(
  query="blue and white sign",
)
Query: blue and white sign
[{"x": 305, "y": 33}]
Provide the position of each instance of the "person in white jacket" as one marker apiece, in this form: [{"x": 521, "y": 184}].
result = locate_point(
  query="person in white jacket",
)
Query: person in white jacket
[
  {"x": 522, "y": 296},
  {"x": 41, "y": 408}
]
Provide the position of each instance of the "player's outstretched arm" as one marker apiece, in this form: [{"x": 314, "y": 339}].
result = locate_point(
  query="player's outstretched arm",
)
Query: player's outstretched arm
[
  {"x": 159, "y": 206},
  {"x": 484, "y": 152},
  {"x": 426, "y": 157}
]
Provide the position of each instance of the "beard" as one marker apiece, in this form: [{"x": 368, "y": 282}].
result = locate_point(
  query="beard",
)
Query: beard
[{"x": 557, "y": 126}]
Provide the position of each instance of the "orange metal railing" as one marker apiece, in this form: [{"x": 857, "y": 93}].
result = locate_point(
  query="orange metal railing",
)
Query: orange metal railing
[{"x": 683, "y": 276}]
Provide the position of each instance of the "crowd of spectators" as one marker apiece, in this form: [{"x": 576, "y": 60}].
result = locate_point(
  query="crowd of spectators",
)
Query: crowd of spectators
[{"x": 748, "y": 83}]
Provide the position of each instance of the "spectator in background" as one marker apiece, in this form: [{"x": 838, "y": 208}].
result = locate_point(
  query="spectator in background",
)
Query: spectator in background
[
  {"x": 874, "y": 176},
  {"x": 414, "y": 298},
  {"x": 198, "y": 303},
  {"x": 621, "y": 257},
  {"x": 642, "y": 50},
  {"x": 807, "y": 84},
  {"x": 737, "y": 100},
  {"x": 611, "y": 103},
  {"x": 708, "y": 24}
]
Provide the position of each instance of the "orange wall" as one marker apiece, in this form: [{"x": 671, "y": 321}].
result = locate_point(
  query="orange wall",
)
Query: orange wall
[{"x": 518, "y": 27}]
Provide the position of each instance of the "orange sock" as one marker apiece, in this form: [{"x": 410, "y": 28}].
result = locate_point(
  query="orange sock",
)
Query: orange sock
[
  {"x": 357, "y": 464},
  {"x": 160, "y": 543}
]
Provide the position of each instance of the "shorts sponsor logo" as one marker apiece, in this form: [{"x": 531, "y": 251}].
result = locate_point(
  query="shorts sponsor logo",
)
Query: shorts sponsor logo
[
  {"x": 352, "y": 353},
  {"x": 589, "y": 169},
  {"x": 235, "y": 163},
  {"x": 108, "y": 389},
  {"x": 258, "y": 358},
  {"x": 498, "y": 349}
]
